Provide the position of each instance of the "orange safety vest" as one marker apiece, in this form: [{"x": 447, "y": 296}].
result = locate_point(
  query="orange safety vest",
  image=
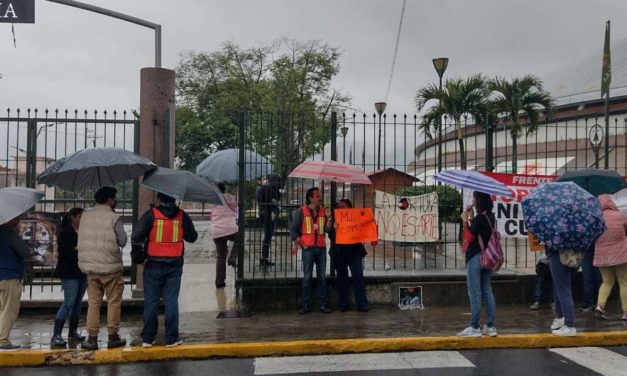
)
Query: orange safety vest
[
  {"x": 312, "y": 234},
  {"x": 166, "y": 235}
]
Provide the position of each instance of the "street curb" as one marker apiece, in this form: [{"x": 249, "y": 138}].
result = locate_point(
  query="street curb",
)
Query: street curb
[{"x": 24, "y": 358}]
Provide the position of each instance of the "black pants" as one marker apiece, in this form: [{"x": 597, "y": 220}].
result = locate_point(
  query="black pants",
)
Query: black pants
[
  {"x": 223, "y": 253},
  {"x": 268, "y": 232}
]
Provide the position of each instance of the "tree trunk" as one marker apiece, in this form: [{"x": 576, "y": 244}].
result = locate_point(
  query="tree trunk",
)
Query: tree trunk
[
  {"x": 460, "y": 139},
  {"x": 514, "y": 154}
]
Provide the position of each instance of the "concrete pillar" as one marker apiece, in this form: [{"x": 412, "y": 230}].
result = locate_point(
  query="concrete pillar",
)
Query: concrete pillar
[{"x": 156, "y": 133}]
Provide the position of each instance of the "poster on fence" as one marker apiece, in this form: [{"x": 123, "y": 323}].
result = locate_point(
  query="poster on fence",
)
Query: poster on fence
[
  {"x": 508, "y": 211},
  {"x": 410, "y": 297},
  {"x": 355, "y": 226},
  {"x": 408, "y": 219}
]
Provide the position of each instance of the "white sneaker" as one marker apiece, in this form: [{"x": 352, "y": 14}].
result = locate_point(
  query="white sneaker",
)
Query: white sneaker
[
  {"x": 148, "y": 344},
  {"x": 565, "y": 331},
  {"x": 490, "y": 331},
  {"x": 470, "y": 332},
  {"x": 557, "y": 323},
  {"x": 178, "y": 342}
]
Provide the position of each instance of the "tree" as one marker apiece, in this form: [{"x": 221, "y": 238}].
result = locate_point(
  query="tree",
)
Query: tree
[
  {"x": 521, "y": 100},
  {"x": 458, "y": 98},
  {"x": 276, "y": 83}
]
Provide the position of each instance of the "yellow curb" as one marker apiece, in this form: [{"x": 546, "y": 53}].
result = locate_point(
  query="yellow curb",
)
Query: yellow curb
[{"x": 311, "y": 347}]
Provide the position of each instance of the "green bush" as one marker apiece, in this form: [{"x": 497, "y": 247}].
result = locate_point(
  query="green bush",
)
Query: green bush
[{"x": 449, "y": 199}]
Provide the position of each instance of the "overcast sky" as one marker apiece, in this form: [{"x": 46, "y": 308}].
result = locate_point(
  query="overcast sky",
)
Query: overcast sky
[{"x": 73, "y": 58}]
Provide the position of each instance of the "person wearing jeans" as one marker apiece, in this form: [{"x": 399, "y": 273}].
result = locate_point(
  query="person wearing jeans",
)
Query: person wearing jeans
[
  {"x": 158, "y": 244},
  {"x": 543, "y": 283},
  {"x": 73, "y": 281},
  {"x": 564, "y": 322},
  {"x": 308, "y": 229},
  {"x": 591, "y": 281},
  {"x": 478, "y": 279}
]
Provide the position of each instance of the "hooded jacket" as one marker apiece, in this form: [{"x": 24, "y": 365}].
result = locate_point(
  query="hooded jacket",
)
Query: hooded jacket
[{"x": 611, "y": 247}]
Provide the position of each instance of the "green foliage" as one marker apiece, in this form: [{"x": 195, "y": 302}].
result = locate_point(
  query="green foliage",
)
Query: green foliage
[
  {"x": 284, "y": 78},
  {"x": 449, "y": 199}
]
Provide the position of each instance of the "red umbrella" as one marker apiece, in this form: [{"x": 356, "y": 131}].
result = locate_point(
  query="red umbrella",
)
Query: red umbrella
[{"x": 330, "y": 171}]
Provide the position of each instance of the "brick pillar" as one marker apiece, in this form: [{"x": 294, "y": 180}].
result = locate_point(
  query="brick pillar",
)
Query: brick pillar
[{"x": 156, "y": 134}]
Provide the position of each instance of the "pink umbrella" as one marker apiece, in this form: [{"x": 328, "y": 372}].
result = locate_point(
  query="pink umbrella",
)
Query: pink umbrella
[{"x": 330, "y": 171}]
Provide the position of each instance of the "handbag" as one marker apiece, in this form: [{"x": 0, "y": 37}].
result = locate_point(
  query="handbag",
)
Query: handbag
[
  {"x": 492, "y": 256},
  {"x": 572, "y": 259}
]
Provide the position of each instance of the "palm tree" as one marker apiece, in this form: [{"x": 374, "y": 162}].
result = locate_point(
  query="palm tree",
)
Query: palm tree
[
  {"x": 521, "y": 100},
  {"x": 458, "y": 97}
]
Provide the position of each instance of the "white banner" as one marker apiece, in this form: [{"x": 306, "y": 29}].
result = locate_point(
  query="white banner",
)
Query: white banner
[{"x": 411, "y": 219}]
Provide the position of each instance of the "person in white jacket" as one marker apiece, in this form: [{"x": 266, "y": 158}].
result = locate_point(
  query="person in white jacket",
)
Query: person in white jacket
[{"x": 223, "y": 229}]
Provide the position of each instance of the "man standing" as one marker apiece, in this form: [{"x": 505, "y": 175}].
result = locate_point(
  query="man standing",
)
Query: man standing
[
  {"x": 268, "y": 197},
  {"x": 158, "y": 242},
  {"x": 13, "y": 252},
  {"x": 307, "y": 230},
  {"x": 100, "y": 236}
]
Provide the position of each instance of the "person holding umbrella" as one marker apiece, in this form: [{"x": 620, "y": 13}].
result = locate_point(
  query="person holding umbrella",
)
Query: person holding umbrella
[
  {"x": 611, "y": 255},
  {"x": 479, "y": 280},
  {"x": 224, "y": 229},
  {"x": 158, "y": 244},
  {"x": 73, "y": 281},
  {"x": 101, "y": 236}
]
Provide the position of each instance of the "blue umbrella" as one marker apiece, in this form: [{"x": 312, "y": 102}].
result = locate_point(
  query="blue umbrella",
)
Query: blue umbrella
[
  {"x": 223, "y": 166},
  {"x": 564, "y": 216}
]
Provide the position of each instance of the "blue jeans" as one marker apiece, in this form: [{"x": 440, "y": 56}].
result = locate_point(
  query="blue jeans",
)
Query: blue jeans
[
  {"x": 564, "y": 306},
  {"x": 318, "y": 256},
  {"x": 73, "y": 293},
  {"x": 345, "y": 260},
  {"x": 479, "y": 290},
  {"x": 161, "y": 277},
  {"x": 591, "y": 279}
]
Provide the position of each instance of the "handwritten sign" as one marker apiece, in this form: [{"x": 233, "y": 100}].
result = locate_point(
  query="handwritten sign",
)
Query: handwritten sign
[
  {"x": 410, "y": 219},
  {"x": 355, "y": 226},
  {"x": 535, "y": 244}
]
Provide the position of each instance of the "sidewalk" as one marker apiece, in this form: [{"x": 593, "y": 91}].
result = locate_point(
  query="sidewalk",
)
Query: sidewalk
[{"x": 384, "y": 328}]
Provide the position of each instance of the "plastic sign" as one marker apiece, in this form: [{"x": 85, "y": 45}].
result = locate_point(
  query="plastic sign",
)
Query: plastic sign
[{"x": 17, "y": 11}]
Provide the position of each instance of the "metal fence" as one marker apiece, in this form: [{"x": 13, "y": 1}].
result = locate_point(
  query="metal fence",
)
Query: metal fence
[
  {"x": 35, "y": 139},
  {"x": 399, "y": 157}
]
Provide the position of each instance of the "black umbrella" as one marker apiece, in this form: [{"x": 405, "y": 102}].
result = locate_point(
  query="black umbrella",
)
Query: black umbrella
[
  {"x": 223, "y": 166},
  {"x": 183, "y": 186},
  {"x": 95, "y": 167},
  {"x": 595, "y": 181}
]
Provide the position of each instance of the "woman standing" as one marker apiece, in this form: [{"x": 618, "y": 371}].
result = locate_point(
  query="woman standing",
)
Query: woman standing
[
  {"x": 610, "y": 255},
  {"x": 73, "y": 281},
  {"x": 478, "y": 279},
  {"x": 223, "y": 229},
  {"x": 349, "y": 256}
]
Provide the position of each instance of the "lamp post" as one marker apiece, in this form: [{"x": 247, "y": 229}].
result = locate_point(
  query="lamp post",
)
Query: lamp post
[
  {"x": 380, "y": 107},
  {"x": 596, "y": 138},
  {"x": 440, "y": 64}
]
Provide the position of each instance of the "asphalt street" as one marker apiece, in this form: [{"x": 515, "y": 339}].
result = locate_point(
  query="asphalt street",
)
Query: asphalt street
[{"x": 512, "y": 362}]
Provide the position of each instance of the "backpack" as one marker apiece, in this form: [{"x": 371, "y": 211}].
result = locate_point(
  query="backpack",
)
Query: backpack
[{"x": 492, "y": 255}]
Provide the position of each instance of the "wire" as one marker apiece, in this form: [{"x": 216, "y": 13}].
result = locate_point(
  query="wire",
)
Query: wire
[{"x": 398, "y": 38}]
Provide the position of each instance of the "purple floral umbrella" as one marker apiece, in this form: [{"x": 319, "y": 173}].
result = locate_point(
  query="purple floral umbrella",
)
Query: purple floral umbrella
[{"x": 564, "y": 216}]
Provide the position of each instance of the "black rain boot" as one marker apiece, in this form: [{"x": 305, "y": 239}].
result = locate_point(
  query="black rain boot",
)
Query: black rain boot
[
  {"x": 57, "y": 341},
  {"x": 73, "y": 331},
  {"x": 90, "y": 344},
  {"x": 116, "y": 341}
]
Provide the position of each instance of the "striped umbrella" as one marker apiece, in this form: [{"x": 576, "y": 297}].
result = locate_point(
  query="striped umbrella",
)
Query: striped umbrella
[
  {"x": 474, "y": 180},
  {"x": 330, "y": 171}
]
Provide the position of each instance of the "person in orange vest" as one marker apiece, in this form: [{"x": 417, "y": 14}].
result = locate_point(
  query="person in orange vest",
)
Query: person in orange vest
[
  {"x": 158, "y": 244},
  {"x": 308, "y": 232}
]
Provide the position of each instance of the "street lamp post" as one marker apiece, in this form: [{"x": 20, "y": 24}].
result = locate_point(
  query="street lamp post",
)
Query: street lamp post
[
  {"x": 380, "y": 107},
  {"x": 344, "y": 130},
  {"x": 440, "y": 64},
  {"x": 596, "y": 138}
]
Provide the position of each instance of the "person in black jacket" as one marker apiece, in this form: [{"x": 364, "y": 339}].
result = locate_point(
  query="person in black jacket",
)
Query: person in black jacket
[
  {"x": 479, "y": 280},
  {"x": 73, "y": 281},
  {"x": 158, "y": 244}
]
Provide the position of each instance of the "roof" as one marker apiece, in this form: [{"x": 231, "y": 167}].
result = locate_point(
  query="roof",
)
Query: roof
[{"x": 383, "y": 170}]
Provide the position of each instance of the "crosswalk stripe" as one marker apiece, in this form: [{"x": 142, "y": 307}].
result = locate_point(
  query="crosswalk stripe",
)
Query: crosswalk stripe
[
  {"x": 360, "y": 362},
  {"x": 603, "y": 361}
]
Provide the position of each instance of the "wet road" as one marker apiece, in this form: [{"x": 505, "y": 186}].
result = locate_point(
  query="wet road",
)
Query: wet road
[{"x": 564, "y": 361}]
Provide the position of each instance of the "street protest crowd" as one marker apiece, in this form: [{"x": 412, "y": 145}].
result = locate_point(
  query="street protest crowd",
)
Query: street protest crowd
[{"x": 594, "y": 236}]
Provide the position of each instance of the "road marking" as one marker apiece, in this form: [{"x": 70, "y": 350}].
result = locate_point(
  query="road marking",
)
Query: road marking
[
  {"x": 360, "y": 362},
  {"x": 603, "y": 361}
]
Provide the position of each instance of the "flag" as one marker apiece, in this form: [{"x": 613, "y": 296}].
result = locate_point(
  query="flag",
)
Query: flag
[{"x": 606, "y": 74}]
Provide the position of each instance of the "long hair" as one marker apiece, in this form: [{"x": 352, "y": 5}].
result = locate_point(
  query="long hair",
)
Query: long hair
[
  {"x": 347, "y": 202},
  {"x": 483, "y": 201},
  {"x": 309, "y": 194},
  {"x": 66, "y": 220}
]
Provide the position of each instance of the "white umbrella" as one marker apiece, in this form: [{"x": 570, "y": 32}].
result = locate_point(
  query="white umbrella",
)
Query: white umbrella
[{"x": 17, "y": 200}]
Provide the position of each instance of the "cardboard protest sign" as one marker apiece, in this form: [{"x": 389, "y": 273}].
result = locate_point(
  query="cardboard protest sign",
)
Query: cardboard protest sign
[
  {"x": 355, "y": 226},
  {"x": 409, "y": 219}
]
